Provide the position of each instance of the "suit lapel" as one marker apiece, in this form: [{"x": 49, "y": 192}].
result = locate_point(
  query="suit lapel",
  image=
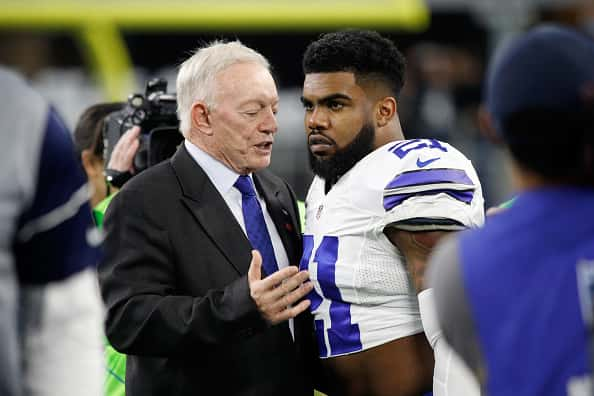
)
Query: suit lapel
[
  {"x": 210, "y": 210},
  {"x": 278, "y": 207}
]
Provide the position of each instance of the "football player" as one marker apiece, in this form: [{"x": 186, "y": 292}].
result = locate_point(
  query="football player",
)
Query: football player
[
  {"x": 376, "y": 207},
  {"x": 521, "y": 316},
  {"x": 51, "y": 313}
]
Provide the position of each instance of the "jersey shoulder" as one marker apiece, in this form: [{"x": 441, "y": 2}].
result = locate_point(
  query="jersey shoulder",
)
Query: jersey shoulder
[
  {"x": 422, "y": 157},
  {"x": 410, "y": 172},
  {"x": 434, "y": 182},
  {"x": 416, "y": 154}
]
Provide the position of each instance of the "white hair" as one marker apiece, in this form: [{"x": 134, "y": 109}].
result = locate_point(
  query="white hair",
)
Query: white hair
[{"x": 196, "y": 76}]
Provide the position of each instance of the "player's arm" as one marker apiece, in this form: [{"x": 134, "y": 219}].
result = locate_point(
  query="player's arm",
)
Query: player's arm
[
  {"x": 451, "y": 376},
  {"x": 416, "y": 248},
  {"x": 423, "y": 204}
]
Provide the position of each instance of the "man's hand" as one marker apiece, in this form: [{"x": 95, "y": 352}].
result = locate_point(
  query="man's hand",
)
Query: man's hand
[
  {"x": 275, "y": 294},
  {"x": 124, "y": 151},
  {"x": 415, "y": 247},
  {"x": 493, "y": 210}
]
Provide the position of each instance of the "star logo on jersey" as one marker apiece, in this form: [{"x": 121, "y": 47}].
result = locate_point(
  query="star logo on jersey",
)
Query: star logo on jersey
[
  {"x": 422, "y": 164},
  {"x": 319, "y": 212}
]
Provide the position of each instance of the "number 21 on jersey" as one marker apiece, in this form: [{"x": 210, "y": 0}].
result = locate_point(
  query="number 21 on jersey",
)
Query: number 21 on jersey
[{"x": 342, "y": 335}]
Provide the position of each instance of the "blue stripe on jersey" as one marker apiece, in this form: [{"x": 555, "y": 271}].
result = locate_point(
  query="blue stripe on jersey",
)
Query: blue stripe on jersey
[
  {"x": 430, "y": 176},
  {"x": 308, "y": 243},
  {"x": 394, "y": 200},
  {"x": 55, "y": 253},
  {"x": 428, "y": 182},
  {"x": 343, "y": 335}
]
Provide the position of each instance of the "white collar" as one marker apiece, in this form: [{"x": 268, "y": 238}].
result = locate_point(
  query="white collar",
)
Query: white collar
[{"x": 219, "y": 174}]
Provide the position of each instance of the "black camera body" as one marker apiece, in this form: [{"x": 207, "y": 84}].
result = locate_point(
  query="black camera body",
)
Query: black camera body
[{"x": 155, "y": 114}]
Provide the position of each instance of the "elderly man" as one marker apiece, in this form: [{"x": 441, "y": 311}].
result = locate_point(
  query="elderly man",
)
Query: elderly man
[{"x": 199, "y": 278}]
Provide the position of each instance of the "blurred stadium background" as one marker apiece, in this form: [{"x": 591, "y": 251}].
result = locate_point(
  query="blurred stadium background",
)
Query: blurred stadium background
[{"x": 81, "y": 52}]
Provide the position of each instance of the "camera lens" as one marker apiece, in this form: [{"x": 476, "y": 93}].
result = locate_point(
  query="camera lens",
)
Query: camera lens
[
  {"x": 138, "y": 116},
  {"x": 136, "y": 100}
]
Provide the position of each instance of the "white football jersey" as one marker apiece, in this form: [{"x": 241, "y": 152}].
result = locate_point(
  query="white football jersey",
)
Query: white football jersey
[{"x": 362, "y": 295}]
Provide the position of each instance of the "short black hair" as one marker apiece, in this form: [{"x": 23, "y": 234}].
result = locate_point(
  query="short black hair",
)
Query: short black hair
[
  {"x": 557, "y": 144},
  {"x": 365, "y": 53},
  {"x": 89, "y": 128}
]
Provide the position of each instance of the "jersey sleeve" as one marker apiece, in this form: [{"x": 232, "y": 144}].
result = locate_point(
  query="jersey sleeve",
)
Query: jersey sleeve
[
  {"x": 55, "y": 235},
  {"x": 434, "y": 187}
]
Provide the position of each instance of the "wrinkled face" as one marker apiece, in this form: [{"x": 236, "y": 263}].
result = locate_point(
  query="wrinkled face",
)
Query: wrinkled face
[
  {"x": 244, "y": 117},
  {"x": 337, "y": 121}
]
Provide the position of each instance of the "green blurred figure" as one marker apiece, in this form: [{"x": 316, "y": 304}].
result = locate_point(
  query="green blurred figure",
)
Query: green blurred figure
[{"x": 88, "y": 139}]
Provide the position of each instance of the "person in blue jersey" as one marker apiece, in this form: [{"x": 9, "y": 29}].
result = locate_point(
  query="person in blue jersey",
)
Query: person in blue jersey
[
  {"x": 376, "y": 206},
  {"x": 51, "y": 315},
  {"x": 515, "y": 298}
]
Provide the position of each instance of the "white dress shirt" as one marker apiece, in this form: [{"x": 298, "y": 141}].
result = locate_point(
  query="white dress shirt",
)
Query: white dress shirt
[{"x": 223, "y": 179}]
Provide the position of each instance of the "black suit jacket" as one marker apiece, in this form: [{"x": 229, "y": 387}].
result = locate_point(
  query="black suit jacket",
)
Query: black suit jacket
[{"x": 174, "y": 280}]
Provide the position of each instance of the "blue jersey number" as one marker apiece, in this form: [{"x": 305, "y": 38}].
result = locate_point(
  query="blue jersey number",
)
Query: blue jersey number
[
  {"x": 343, "y": 335},
  {"x": 401, "y": 149}
]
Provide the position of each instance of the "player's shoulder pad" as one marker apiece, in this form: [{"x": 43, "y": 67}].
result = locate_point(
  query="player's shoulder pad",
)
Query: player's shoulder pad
[{"x": 428, "y": 167}]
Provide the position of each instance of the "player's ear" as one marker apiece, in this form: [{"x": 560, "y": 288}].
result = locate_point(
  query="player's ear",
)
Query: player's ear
[
  {"x": 487, "y": 127},
  {"x": 385, "y": 110}
]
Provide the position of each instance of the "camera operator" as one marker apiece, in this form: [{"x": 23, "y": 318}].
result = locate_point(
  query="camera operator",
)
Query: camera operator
[
  {"x": 150, "y": 124},
  {"x": 129, "y": 136},
  {"x": 88, "y": 139}
]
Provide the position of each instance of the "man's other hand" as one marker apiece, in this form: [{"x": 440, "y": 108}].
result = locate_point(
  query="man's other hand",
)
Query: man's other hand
[
  {"x": 124, "y": 151},
  {"x": 275, "y": 294}
]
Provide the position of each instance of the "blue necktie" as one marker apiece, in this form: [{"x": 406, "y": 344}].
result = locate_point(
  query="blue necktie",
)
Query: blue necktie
[{"x": 255, "y": 225}]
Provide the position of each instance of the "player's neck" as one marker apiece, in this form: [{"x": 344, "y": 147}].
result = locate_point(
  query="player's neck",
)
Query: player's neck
[
  {"x": 328, "y": 186},
  {"x": 525, "y": 179},
  {"x": 388, "y": 133}
]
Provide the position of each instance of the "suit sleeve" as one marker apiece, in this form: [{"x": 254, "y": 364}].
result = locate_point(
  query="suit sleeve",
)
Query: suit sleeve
[
  {"x": 295, "y": 204},
  {"x": 145, "y": 313}
]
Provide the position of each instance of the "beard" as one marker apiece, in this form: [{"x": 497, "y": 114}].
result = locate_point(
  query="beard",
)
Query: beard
[{"x": 332, "y": 168}]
